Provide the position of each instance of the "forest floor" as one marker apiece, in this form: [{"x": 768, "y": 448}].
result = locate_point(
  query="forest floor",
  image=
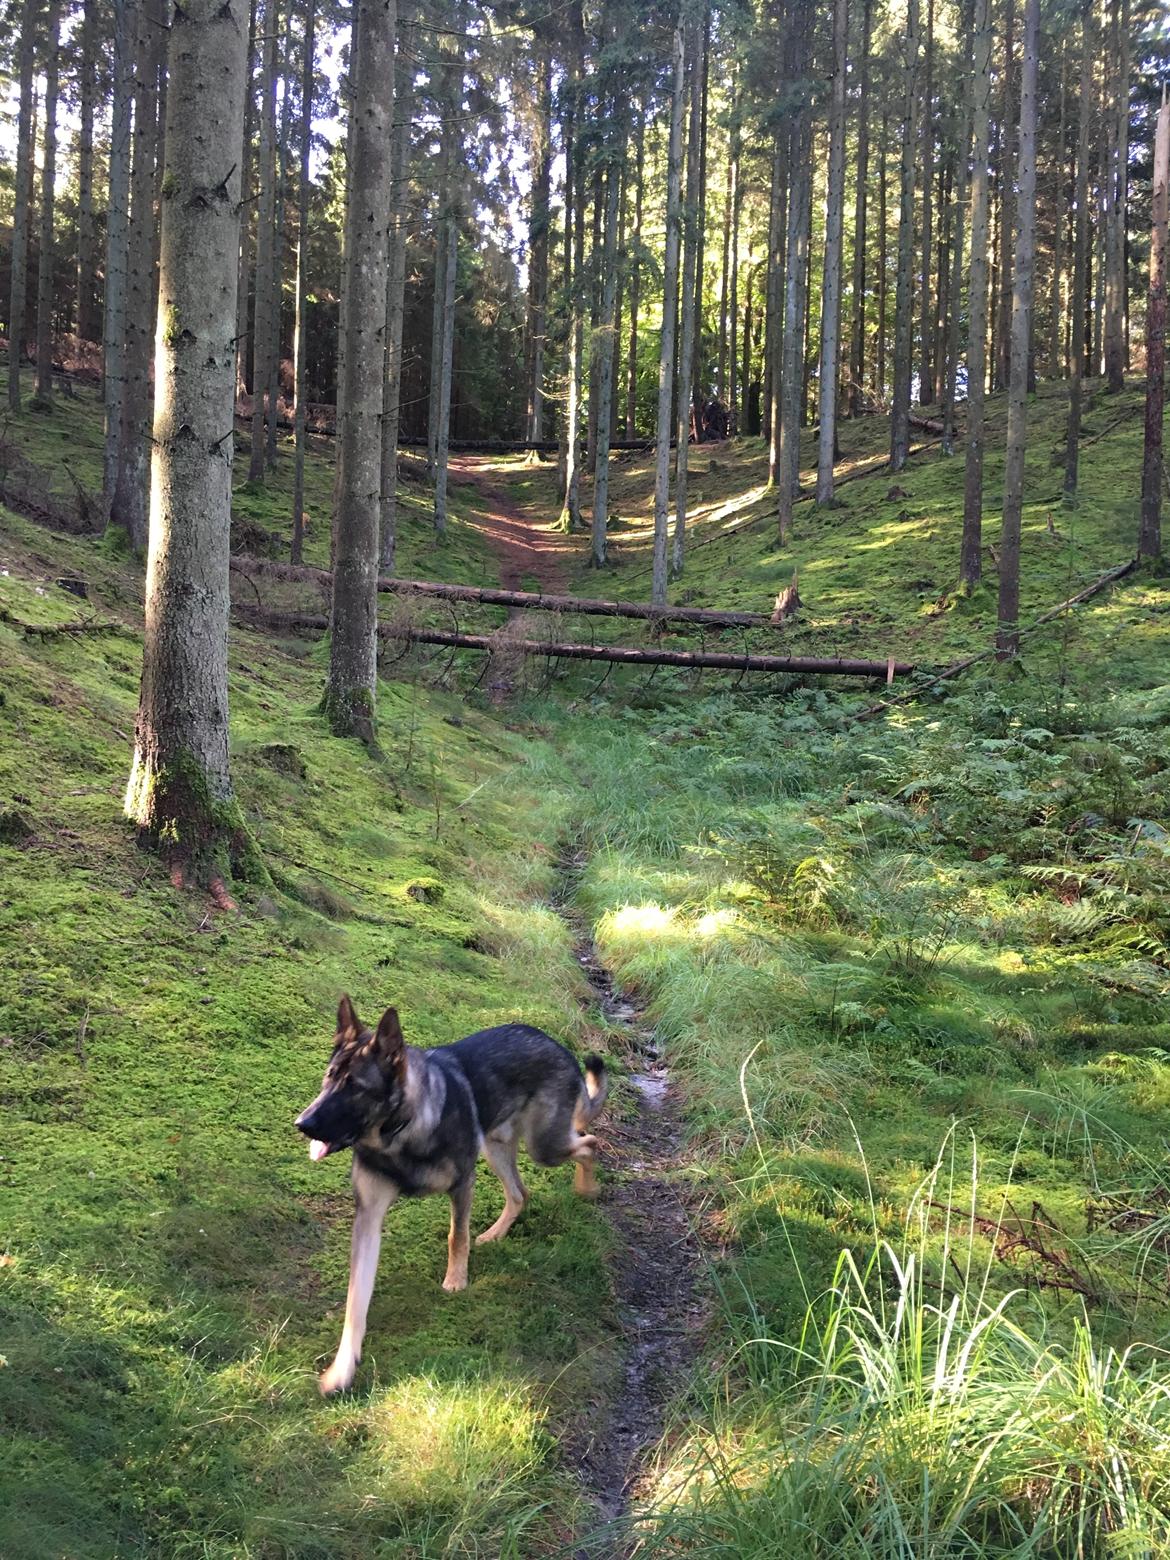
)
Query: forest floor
[
  {"x": 907, "y": 981},
  {"x": 532, "y": 554}
]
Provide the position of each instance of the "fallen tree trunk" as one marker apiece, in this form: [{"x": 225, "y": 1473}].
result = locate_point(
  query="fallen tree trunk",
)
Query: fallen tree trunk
[
  {"x": 624, "y": 655},
  {"x": 494, "y": 597}
]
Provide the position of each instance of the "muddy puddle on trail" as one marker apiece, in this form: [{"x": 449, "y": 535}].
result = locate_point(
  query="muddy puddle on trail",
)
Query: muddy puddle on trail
[{"x": 654, "y": 1266}]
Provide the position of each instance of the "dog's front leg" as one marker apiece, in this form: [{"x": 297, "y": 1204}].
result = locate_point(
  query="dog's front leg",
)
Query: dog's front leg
[
  {"x": 459, "y": 1240},
  {"x": 373, "y": 1194}
]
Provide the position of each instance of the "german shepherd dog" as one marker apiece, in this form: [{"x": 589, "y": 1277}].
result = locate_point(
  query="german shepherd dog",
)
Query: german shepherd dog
[{"x": 418, "y": 1120}]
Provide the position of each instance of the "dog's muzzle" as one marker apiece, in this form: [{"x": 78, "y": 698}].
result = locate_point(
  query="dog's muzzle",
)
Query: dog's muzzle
[{"x": 319, "y": 1148}]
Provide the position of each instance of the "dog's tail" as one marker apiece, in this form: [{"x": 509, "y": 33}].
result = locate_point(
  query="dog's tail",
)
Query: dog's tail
[{"x": 597, "y": 1088}]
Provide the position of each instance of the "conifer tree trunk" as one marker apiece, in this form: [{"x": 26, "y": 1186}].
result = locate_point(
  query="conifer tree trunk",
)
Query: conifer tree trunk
[
  {"x": 776, "y": 349},
  {"x": 88, "y": 319},
  {"x": 971, "y": 550},
  {"x": 446, "y": 369},
  {"x": 733, "y": 408},
  {"x": 725, "y": 274},
  {"x": 574, "y": 220},
  {"x": 129, "y": 507},
  {"x": 1007, "y": 164},
  {"x": 774, "y": 267},
  {"x": 1150, "y": 532},
  {"x": 669, "y": 312},
  {"x": 22, "y": 201},
  {"x": 276, "y": 335},
  {"x": 243, "y": 334},
  {"x": 179, "y": 792},
  {"x": 538, "y": 236},
  {"x": 300, "y": 333},
  {"x": 958, "y": 210},
  {"x": 43, "y": 386},
  {"x": 396, "y": 290},
  {"x": 262, "y": 323},
  {"x": 1077, "y": 368},
  {"x": 904, "y": 300},
  {"x": 795, "y": 299},
  {"x": 351, "y": 690},
  {"x": 883, "y": 260},
  {"x": 926, "y": 334},
  {"x": 1117, "y": 130},
  {"x": 596, "y": 280},
  {"x": 1008, "y": 627},
  {"x": 857, "y": 332},
  {"x": 117, "y": 246},
  {"x": 1055, "y": 368},
  {"x": 687, "y": 411},
  {"x": 831, "y": 289},
  {"x": 604, "y": 338},
  {"x": 697, "y": 369},
  {"x": 635, "y": 280}
]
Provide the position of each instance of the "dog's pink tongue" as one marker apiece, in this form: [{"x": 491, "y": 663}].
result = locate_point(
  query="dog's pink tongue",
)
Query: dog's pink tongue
[{"x": 317, "y": 1149}]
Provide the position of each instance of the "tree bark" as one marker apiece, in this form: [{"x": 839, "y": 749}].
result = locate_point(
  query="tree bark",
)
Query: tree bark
[
  {"x": 450, "y": 231},
  {"x": 635, "y": 279},
  {"x": 958, "y": 211},
  {"x": 831, "y": 290},
  {"x": 1118, "y": 132},
  {"x": 262, "y": 324},
  {"x": 669, "y": 313},
  {"x": 971, "y": 548},
  {"x": 300, "y": 331},
  {"x": 781, "y": 165},
  {"x": 129, "y": 507},
  {"x": 117, "y": 246},
  {"x": 280, "y": 188},
  {"x": 351, "y": 689},
  {"x": 1058, "y": 218},
  {"x": 795, "y": 298},
  {"x": 926, "y": 350},
  {"x": 17, "y": 297},
  {"x": 396, "y": 289},
  {"x": 179, "y": 792},
  {"x": 1007, "y": 165},
  {"x": 725, "y": 274},
  {"x": 857, "y": 332},
  {"x": 1008, "y": 626},
  {"x": 88, "y": 318},
  {"x": 904, "y": 298},
  {"x": 604, "y": 339},
  {"x": 43, "y": 386},
  {"x": 574, "y": 220},
  {"x": 1076, "y": 380},
  {"x": 687, "y": 411},
  {"x": 538, "y": 236},
  {"x": 1150, "y": 533},
  {"x": 883, "y": 277}
]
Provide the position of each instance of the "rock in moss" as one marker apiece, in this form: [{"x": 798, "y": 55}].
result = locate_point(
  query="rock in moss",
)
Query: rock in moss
[
  {"x": 428, "y": 891},
  {"x": 14, "y": 827},
  {"x": 284, "y": 757}
]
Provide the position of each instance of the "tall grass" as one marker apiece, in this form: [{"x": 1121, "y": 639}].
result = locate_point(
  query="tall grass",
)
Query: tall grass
[{"x": 924, "y": 1413}]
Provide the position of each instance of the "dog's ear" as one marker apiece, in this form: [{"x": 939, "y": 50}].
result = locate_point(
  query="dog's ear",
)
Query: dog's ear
[
  {"x": 389, "y": 1046},
  {"x": 348, "y": 1023}
]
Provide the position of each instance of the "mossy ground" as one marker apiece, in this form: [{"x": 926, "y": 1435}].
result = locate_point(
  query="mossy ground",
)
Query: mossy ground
[{"x": 954, "y": 916}]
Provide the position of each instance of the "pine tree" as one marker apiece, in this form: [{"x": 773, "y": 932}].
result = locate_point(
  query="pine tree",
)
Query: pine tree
[
  {"x": 22, "y": 201},
  {"x": 669, "y": 313},
  {"x": 831, "y": 290},
  {"x": 351, "y": 690},
  {"x": 46, "y": 301},
  {"x": 179, "y": 792},
  {"x": 1008, "y": 627},
  {"x": 904, "y": 301},
  {"x": 971, "y": 550},
  {"x": 1153, "y": 470}
]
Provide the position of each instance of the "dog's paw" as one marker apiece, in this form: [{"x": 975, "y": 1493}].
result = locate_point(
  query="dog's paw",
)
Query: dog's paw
[
  {"x": 454, "y": 1282},
  {"x": 338, "y": 1378}
]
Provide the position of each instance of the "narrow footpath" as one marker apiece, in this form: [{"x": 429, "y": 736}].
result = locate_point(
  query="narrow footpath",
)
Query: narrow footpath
[{"x": 655, "y": 1262}]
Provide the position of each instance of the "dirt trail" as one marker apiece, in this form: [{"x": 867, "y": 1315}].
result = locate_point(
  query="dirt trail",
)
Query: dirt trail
[
  {"x": 527, "y": 550},
  {"x": 655, "y": 1264}
]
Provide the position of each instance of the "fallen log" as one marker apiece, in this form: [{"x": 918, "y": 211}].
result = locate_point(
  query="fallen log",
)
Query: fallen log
[
  {"x": 492, "y": 596},
  {"x": 624, "y": 655}
]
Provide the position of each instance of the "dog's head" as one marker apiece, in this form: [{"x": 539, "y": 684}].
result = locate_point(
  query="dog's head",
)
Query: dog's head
[{"x": 362, "y": 1085}]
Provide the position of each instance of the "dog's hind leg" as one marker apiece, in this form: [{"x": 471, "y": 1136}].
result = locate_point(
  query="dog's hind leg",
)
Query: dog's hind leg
[
  {"x": 584, "y": 1152},
  {"x": 373, "y": 1194},
  {"x": 459, "y": 1239},
  {"x": 501, "y": 1155}
]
